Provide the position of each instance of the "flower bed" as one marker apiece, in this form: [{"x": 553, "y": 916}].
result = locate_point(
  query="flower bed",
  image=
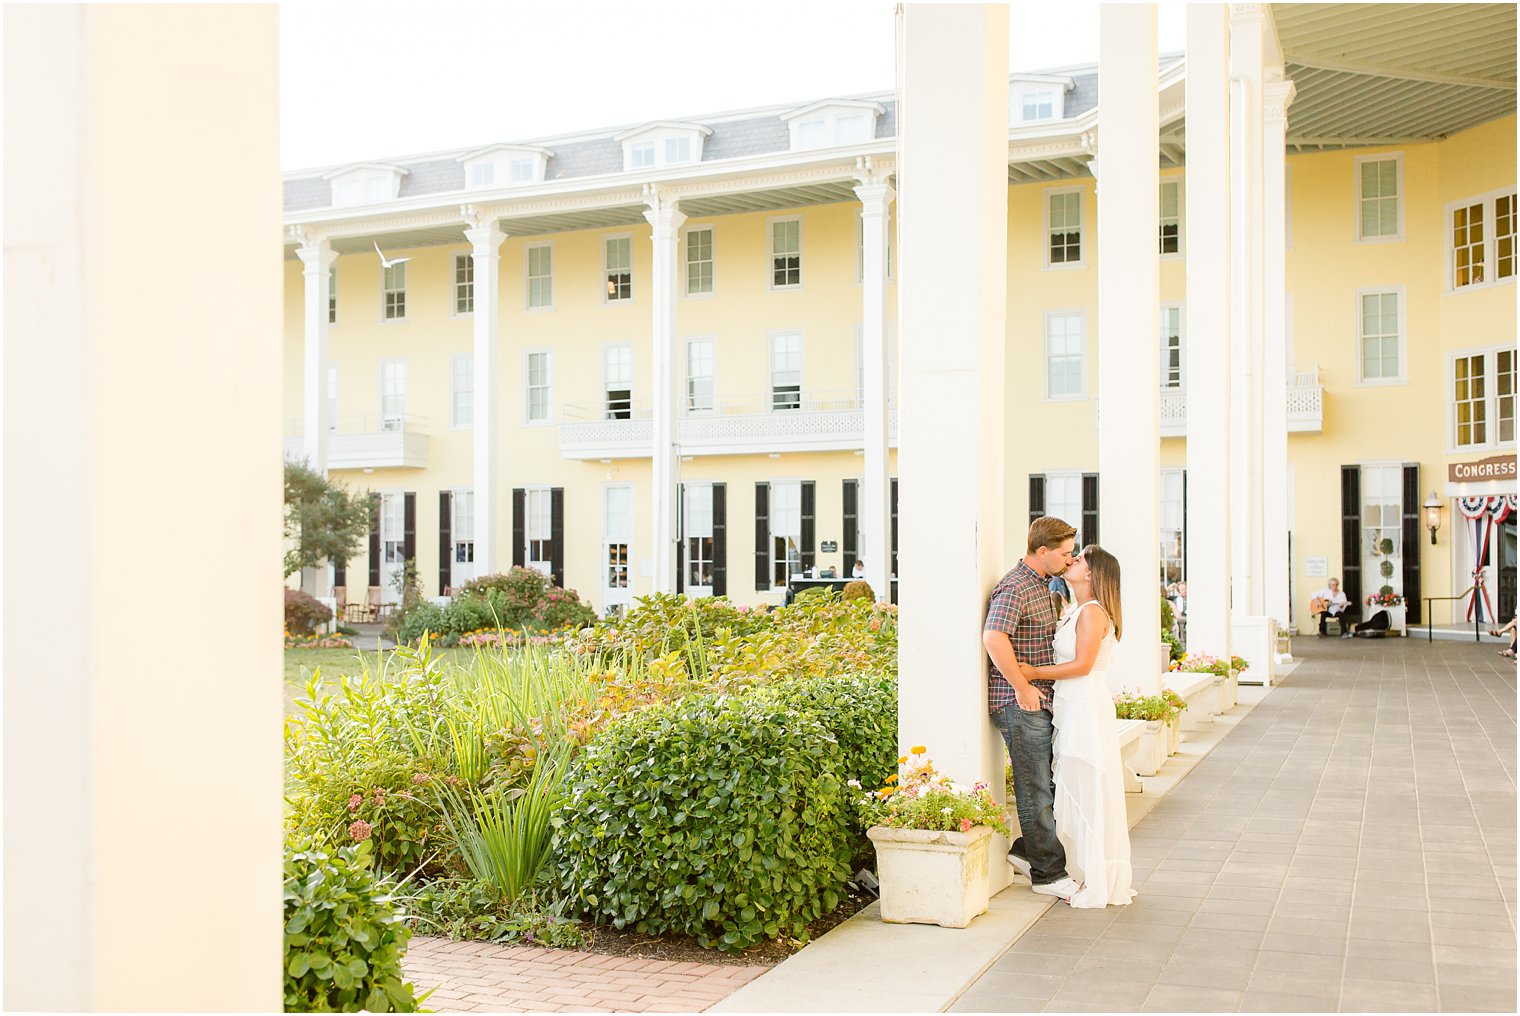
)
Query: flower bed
[{"x": 299, "y": 641}]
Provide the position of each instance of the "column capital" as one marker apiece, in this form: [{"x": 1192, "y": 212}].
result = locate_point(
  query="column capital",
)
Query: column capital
[
  {"x": 1089, "y": 142},
  {"x": 869, "y": 173},
  {"x": 663, "y": 212},
  {"x": 1246, "y": 12},
  {"x": 484, "y": 235},
  {"x": 1276, "y": 97},
  {"x": 315, "y": 252}
]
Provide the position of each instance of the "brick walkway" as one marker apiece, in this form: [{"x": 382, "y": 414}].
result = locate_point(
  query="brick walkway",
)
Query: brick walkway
[
  {"x": 480, "y": 977},
  {"x": 1350, "y": 847}
]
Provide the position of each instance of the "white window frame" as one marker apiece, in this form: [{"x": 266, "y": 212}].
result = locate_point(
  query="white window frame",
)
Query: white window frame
[
  {"x": 456, "y": 498},
  {"x": 529, "y": 277},
  {"x": 1177, "y": 476},
  {"x": 499, "y": 166},
  {"x": 712, "y": 259},
  {"x": 469, "y": 260},
  {"x": 332, "y": 294},
  {"x": 605, "y": 402},
  {"x": 532, "y": 495},
  {"x": 1020, "y": 88},
  {"x": 1081, "y": 315},
  {"x": 1067, "y": 510},
  {"x": 607, "y": 299},
  {"x": 770, "y": 368},
  {"x": 384, "y": 416},
  {"x": 1082, "y": 244},
  {"x": 384, "y": 292},
  {"x": 456, "y": 420},
  {"x": 1161, "y": 330},
  {"x": 1372, "y": 578},
  {"x": 656, "y": 140},
  {"x": 1489, "y": 201},
  {"x": 1403, "y": 337},
  {"x": 609, "y": 538},
  {"x": 1490, "y": 356},
  {"x": 686, "y": 397},
  {"x": 643, "y": 155},
  {"x": 1356, "y": 186},
  {"x": 770, "y": 254},
  {"x": 548, "y": 387},
  {"x": 1175, "y": 180},
  {"x": 689, "y": 532},
  {"x": 825, "y": 116},
  {"x": 772, "y": 533}
]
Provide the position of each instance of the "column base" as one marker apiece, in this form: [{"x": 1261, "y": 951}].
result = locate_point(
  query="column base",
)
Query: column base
[{"x": 1254, "y": 637}]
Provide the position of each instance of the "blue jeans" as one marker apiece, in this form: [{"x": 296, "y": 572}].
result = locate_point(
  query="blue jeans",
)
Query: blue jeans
[{"x": 1028, "y": 735}]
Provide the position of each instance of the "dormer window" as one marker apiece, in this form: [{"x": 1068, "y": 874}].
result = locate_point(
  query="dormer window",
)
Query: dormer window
[
  {"x": 504, "y": 165},
  {"x": 1037, "y": 98},
  {"x": 367, "y": 184},
  {"x": 833, "y": 122},
  {"x": 662, "y": 144}
]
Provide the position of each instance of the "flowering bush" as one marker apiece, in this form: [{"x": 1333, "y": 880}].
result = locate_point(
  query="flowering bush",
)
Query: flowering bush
[
  {"x": 296, "y": 641},
  {"x": 1164, "y": 707},
  {"x": 1202, "y": 663},
  {"x": 1385, "y": 600},
  {"x": 1239, "y": 664},
  {"x": 520, "y": 600},
  {"x": 923, "y": 798},
  {"x": 304, "y": 612}
]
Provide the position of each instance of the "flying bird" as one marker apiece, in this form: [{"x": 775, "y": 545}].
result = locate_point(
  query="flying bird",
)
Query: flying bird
[{"x": 386, "y": 263}]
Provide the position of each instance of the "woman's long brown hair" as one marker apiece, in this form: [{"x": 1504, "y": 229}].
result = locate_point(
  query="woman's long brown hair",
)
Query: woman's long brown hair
[{"x": 1103, "y": 569}]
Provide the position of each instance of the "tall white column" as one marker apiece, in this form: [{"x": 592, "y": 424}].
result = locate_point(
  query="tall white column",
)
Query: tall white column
[
  {"x": 953, "y": 181},
  {"x": 876, "y": 491},
  {"x": 317, "y": 258},
  {"x": 1277, "y": 97},
  {"x": 1246, "y": 47},
  {"x": 485, "y": 250},
  {"x": 1129, "y": 307},
  {"x": 665, "y": 217},
  {"x": 1208, "y": 330}
]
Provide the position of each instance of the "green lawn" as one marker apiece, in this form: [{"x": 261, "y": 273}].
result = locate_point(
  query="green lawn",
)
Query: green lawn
[{"x": 334, "y": 662}]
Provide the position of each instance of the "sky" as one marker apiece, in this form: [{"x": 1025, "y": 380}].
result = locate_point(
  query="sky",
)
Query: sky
[{"x": 377, "y": 80}]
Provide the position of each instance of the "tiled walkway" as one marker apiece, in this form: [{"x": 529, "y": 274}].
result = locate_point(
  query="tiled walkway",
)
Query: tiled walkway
[
  {"x": 1350, "y": 847},
  {"x": 481, "y": 977}
]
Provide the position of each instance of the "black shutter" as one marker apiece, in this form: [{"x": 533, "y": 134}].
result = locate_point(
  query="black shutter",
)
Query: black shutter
[
  {"x": 374, "y": 539},
  {"x": 1185, "y": 525},
  {"x": 409, "y": 527},
  {"x": 850, "y": 496},
  {"x": 720, "y": 540},
  {"x": 1411, "y": 541},
  {"x": 1089, "y": 508},
  {"x": 340, "y": 574},
  {"x": 557, "y": 536},
  {"x": 809, "y": 529},
  {"x": 894, "y": 529},
  {"x": 519, "y": 526},
  {"x": 445, "y": 541},
  {"x": 1036, "y": 496},
  {"x": 1351, "y": 534},
  {"x": 680, "y": 538},
  {"x": 762, "y": 537}
]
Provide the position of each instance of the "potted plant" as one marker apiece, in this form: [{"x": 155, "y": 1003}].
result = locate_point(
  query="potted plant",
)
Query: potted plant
[
  {"x": 932, "y": 837},
  {"x": 1160, "y": 713},
  {"x": 1203, "y": 663}
]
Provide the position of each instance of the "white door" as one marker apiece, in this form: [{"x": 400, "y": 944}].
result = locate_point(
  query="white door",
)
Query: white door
[
  {"x": 462, "y": 533},
  {"x": 617, "y": 544},
  {"x": 392, "y": 544}
]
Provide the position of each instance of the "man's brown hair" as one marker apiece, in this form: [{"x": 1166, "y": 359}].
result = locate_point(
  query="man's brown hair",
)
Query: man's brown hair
[{"x": 1049, "y": 531}]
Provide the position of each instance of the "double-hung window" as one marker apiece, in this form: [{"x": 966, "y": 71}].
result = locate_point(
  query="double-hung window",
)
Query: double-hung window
[
  {"x": 1382, "y": 488},
  {"x": 1063, "y": 221},
  {"x": 1063, "y": 499},
  {"x": 464, "y": 284},
  {"x": 540, "y": 376},
  {"x": 332, "y": 294},
  {"x": 1171, "y": 345},
  {"x": 540, "y": 277},
  {"x": 697, "y": 515},
  {"x": 1481, "y": 240},
  {"x": 1483, "y": 398},
  {"x": 1037, "y": 106},
  {"x": 641, "y": 156},
  {"x": 786, "y": 531},
  {"x": 1380, "y": 197},
  {"x": 392, "y": 394},
  {"x": 617, "y": 263},
  {"x": 1172, "y": 546},
  {"x": 786, "y": 371},
  {"x": 1380, "y": 329},
  {"x": 540, "y": 546},
  {"x": 786, "y": 253},
  {"x": 1171, "y": 216},
  {"x": 617, "y": 520},
  {"x": 393, "y": 528},
  {"x": 462, "y": 527},
  {"x": 699, "y": 261},
  {"x": 699, "y": 376},
  {"x": 617, "y": 376},
  {"x": 1064, "y": 373},
  {"x": 395, "y": 293},
  {"x": 462, "y": 394}
]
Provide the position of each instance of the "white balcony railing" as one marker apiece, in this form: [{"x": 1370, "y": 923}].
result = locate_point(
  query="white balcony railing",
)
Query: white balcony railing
[
  {"x": 729, "y": 425},
  {"x": 368, "y": 442},
  {"x": 1306, "y": 405}
]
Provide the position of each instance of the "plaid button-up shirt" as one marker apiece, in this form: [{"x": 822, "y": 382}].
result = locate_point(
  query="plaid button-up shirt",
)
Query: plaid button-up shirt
[{"x": 1023, "y": 607}]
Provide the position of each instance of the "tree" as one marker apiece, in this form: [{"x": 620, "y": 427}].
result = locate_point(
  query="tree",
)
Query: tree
[{"x": 324, "y": 521}]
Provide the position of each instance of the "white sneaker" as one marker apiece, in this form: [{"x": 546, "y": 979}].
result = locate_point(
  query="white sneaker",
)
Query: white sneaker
[
  {"x": 1062, "y": 889},
  {"x": 1020, "y": 864}
]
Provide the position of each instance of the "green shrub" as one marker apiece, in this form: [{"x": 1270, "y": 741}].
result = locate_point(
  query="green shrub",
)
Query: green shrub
[
  {"x": 344, "y": 938},
  {"x": 719, "y": 817},
  {"x": 522, "y": 599},
  {"x": 857, "y": 589},
  {"x": 304, "y": 612},
  {"x": 464, "y": 909}
]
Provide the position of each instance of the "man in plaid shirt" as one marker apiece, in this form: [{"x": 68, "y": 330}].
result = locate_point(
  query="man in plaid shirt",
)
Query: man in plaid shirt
[{"x": 1021, "y": 624}]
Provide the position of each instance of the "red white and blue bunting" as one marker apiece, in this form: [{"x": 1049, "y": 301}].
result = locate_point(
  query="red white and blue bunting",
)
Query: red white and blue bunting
[{"x": 1483, "y": 513}]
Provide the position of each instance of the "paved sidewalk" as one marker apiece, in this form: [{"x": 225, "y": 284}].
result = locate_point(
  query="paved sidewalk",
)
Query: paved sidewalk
[
  {"x": 481, "y": 977},
  {"x": 1350, "y": 847}
]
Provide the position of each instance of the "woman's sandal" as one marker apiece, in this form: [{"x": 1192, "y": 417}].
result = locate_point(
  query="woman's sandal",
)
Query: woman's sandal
[{"x": 1507, "y": 653}]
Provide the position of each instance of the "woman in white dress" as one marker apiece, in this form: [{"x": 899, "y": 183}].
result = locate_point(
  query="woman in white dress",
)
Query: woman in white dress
[{"x": 1089, "y": 800}]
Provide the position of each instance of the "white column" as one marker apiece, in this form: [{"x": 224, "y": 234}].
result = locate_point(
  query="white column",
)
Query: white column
[
  {"x": 666, "y": 219},
  {"x": 1246, "y": 45},
  {"x": 1277, "y": 97},
  {"x": 953, "y": 177},
  {"x": 485, "y": 248},
  {"x": 317, "y": 258},
  {"x": 875, "y": 505},
  {"x": 1129, "y": 309},
  {"x": 1208, "y": 330}
]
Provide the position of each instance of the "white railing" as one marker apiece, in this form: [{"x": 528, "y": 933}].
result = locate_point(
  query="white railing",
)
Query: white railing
[
  {"x": 725, "y": 425},
  {"x": 368, "y": 442},
  {"x": 1306, "y": 405}
]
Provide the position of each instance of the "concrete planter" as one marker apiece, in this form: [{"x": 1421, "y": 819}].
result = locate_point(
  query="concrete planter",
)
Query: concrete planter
[
  {"x": 931, "y": 877},
  {"x": 1229, "y": 688},
  {"x": 1155, "y": 745},
  {"x": 1173, "y": 734}
]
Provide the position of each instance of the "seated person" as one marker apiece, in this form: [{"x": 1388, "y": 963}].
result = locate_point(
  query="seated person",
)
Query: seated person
[
  {"x": 1332, "y": 602},
  {"x": 859, "y": 571},
  {"x": 1508, "y": 629}
]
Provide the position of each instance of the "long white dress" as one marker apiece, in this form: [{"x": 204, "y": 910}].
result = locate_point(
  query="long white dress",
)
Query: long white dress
[{"x": 1089, "y": 805}]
